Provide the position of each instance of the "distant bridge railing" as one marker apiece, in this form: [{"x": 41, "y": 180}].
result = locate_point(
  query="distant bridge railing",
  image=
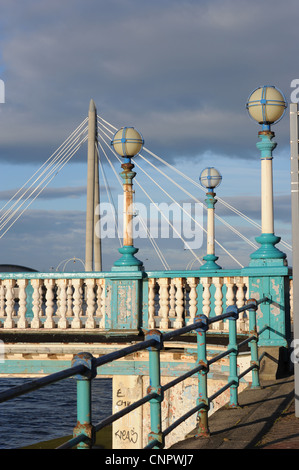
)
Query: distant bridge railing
[{"x": 84, "y": 368}]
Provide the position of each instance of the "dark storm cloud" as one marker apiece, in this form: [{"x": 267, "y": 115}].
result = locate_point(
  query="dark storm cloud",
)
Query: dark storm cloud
[{"x": 179, "y": 71}]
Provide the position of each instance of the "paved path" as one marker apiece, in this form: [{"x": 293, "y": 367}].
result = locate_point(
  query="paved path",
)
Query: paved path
[{"x": 265, "y": 420}]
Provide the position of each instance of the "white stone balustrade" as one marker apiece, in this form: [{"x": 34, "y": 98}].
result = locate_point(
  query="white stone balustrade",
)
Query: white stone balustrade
[
  {"x": 174, "y": 303},
  {"x": 80, "y": 303},
  {"x": 52, "y": 303}
]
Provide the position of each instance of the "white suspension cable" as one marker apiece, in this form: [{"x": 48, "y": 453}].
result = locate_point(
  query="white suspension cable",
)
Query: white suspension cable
[
  {"x": 55, "y": 167},
  {"x": 48, "y": 160},
  {"x": 195, "y": 221},
  {"x": 54, "y": 163},
  {"x": 108, "y": 191},
  {"x": 65, "y": 162},
  {"x": 229, "y": 206},
  {"x": 233, "y": 229}
]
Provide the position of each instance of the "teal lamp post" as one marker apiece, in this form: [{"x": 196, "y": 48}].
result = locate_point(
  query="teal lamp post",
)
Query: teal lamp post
[
  {"x": 127, "y": 142},
  {"x": 210, "y": 178},
  {"x": 266, "y": 105}
]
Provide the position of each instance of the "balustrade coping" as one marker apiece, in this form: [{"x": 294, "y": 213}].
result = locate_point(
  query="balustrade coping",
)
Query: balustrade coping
[{"x": 244, "y": 272}]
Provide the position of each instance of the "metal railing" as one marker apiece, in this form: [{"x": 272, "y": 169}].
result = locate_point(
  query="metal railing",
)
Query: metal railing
[{"x": 84, "y": 369}]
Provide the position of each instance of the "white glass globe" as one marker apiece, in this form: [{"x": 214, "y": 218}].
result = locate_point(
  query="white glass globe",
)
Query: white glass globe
[
  {"x": 210, "y": 178},
  {"x": 266, "y": 105},
  {"x": 127, "y": 142}
]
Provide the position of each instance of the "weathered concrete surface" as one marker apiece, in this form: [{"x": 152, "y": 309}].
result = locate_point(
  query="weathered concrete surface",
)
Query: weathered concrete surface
[{"x": 244, "y": 428}]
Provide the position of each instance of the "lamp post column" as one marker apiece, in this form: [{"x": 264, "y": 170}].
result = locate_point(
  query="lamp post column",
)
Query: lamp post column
[
  {"x": 267, "y": 239},
  {"x": 210, "y": 178},
  {"x": 127, "y": 176},
  {"x": 127, "y": 142}
]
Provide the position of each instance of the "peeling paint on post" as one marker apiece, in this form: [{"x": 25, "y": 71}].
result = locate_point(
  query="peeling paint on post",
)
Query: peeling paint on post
[
  {"x": 124, "y": 300},
  {"x": 271, "y": 282}
]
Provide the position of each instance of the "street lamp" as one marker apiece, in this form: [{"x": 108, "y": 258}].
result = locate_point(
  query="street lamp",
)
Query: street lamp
[
  {"x": 266, "y": 105},
  {"x": 210, "y": 178},
  {"x": 127, "y": 143}
]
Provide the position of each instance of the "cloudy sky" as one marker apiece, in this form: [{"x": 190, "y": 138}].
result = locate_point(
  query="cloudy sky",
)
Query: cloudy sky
[{"x": 180, "y": 72}]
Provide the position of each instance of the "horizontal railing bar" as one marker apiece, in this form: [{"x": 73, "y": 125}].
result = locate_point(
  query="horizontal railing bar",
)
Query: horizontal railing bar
[
  {"x": 245, "y": 341},
  {"x": 181, "y": 331},
  {"x": 125, "y": 411},
  {"x": 183, "y": 418},
  {"x": 42, "y": 382},
  {"x": 182, "y": 377},
  {"x": 124, "y": 352},
  {"x": 73, "y": 442},
  {"x": 219, "y": 356},
  {"x": 246, "y": 371},
  {"x": 221, "y": 390}
]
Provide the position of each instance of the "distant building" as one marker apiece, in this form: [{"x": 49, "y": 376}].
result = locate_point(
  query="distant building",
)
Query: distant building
[{"x": 14, "y": 268}]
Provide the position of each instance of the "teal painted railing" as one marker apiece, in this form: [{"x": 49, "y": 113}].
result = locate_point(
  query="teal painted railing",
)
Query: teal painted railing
[{"x": 84, "y": 369}]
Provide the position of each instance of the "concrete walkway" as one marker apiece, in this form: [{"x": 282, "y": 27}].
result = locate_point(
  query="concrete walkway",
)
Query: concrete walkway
[{"x": 265, "y": 420}]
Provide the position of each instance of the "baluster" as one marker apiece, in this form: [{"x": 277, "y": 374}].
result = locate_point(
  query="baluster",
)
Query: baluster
[
  {"x": 98, "y": 313},
  {"x": 246, "y": 318},
  {"x": 192, "y": 282},
  {"x": 206, "y": 296},
  {"x": 218, "y": 282},
  {"x": 179, "y": 306},
  {"x": 36, "y": 322},
  {"x": 49, "y": 285},
  {"x": 240, "y": 301},
  {"x": 172, "y": 292},
  {"x": 90, "y": 300},
  {"x": 62, "y": 301},
  {"x": 151, "y": 302},
  {"x": 2, "y": 299},
  {"x": 164, "y": 303},
  {"x": 102, "y": 300},
  {"x": 230, "y": 296},
  {"x": 69, "y": 296},
  {"x": 77, "y": 323},
  {"x": 40, "y": 305},
  {"x": 10, "y": 302},
  {"x": 22, "y": 322}
]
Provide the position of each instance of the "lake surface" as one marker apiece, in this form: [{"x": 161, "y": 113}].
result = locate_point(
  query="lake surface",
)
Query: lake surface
[{"x": 49, "y": 412}]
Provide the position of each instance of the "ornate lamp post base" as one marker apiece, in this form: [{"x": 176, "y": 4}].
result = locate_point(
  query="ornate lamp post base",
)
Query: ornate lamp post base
[
  {"x": 128, "y": 258},
  {"x": 210, "y": 263},
  {"x": 268, "y": 250}
]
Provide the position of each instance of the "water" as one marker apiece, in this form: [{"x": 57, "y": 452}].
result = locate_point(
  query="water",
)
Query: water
[{"x": 48, "y": 413}]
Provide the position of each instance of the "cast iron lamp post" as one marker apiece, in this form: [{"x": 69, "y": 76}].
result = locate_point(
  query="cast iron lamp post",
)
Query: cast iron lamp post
[
  {"x": 266, "y": 105},
  {"x": 127, "y": 142},
  {"x": 210, "y": 178}
]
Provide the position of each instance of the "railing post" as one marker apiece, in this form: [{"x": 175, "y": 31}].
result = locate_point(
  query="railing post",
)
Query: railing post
[
  {"x": 155, "y": 386},
  {"x": 84, "y": 425},
  {"x": 233, "y": 346},
  {"x": 202, "y": 427},
  {"x": 253, "y": 345}
]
